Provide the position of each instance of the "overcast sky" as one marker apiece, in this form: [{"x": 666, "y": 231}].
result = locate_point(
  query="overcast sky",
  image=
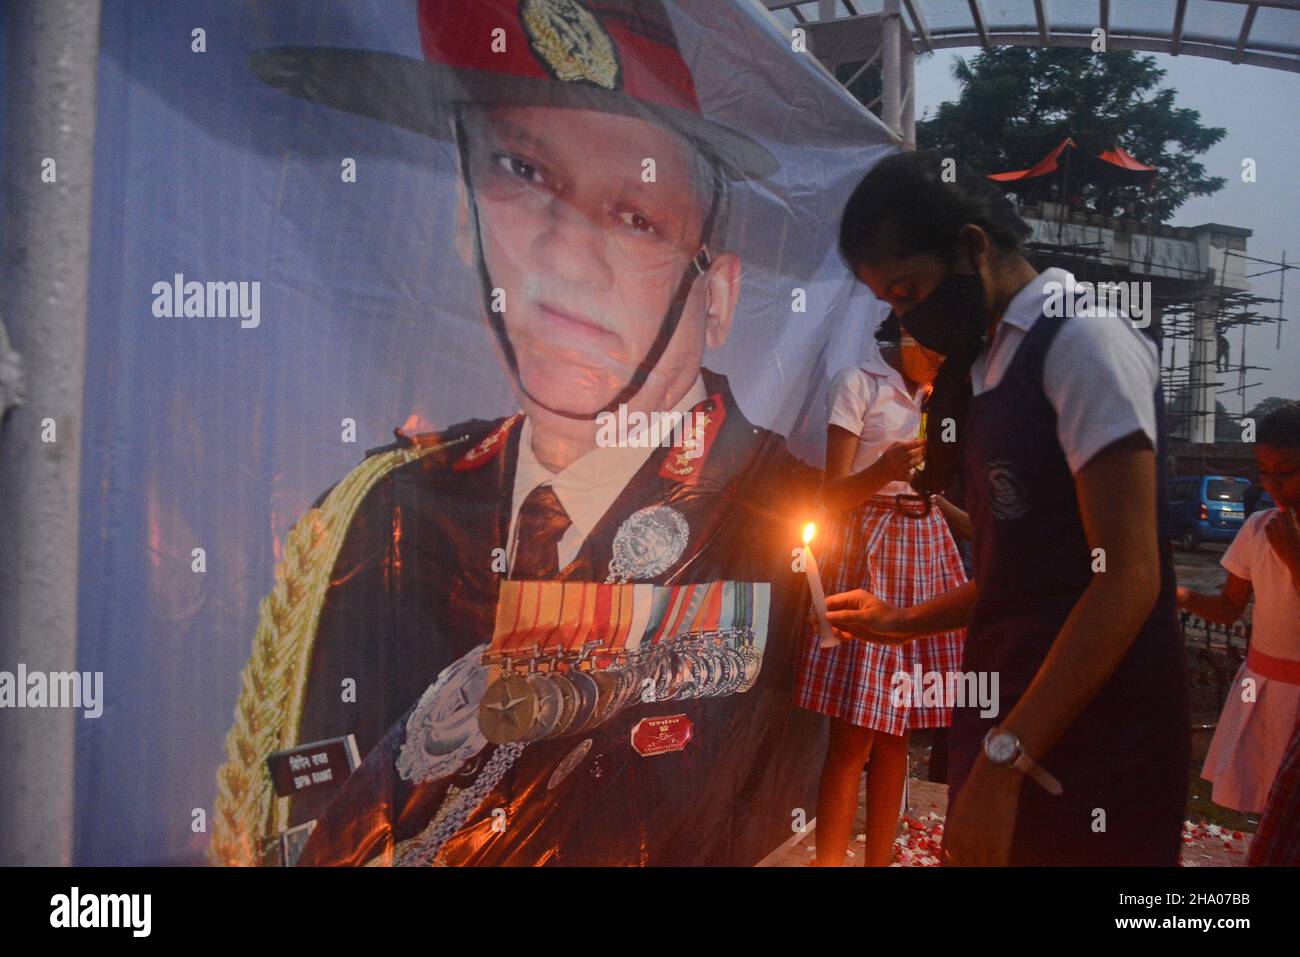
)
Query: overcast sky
[{"x": 1260, "y": 109}]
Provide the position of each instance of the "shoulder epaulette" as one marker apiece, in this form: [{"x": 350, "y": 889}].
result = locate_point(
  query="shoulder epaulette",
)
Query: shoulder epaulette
[{"x": 489, "y": 445}]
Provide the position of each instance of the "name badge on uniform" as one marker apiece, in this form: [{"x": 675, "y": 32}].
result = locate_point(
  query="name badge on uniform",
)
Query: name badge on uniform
[
  {"x": 313, "y": 766},
  {"x": 662, "y": 734}
]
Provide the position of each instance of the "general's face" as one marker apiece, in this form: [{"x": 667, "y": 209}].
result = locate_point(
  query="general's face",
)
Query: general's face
[
  {"x": 587, "y": 253},
  {"x": 1279, "y": 473}
]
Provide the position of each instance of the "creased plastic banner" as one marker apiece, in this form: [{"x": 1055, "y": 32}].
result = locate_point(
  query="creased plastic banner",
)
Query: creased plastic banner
[{"x": 581, "y": 255}]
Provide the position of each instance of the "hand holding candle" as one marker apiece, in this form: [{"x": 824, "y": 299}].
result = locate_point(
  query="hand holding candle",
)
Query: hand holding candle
[{"x": 828, "y": 639}]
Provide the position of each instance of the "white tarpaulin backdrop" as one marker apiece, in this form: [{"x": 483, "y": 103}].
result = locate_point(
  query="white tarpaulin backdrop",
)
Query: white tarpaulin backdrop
[{"x": 214, "y": 434}]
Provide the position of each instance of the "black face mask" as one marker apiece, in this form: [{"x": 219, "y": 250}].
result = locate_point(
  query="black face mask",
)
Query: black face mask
[{"x": 952, "y": 321}]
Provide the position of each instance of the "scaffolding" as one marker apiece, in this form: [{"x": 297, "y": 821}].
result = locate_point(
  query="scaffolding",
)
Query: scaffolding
[
  {"x": 1227, "y": 369},
  {"x": 1198, "y": 308},
  {"x": 1201, "y": 314}
]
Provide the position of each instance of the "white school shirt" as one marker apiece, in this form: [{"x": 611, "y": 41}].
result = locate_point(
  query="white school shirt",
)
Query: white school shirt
[
  {"x": 873, "y": 403},
  {"x": 1100, "y": 373},
  {"x": 1275, "y": 628},
  {"x": 588, "y": 487}
]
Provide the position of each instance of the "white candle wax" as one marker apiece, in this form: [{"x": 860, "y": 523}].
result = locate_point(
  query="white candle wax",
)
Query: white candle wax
[{"x": 828, "y": 639}]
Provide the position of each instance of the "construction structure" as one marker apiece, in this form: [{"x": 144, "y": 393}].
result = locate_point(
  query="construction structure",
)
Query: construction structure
[
  {"x": 862, "y": 34},
  {"x": 1192, "y": 286},
  {"x": 1201, "y": 298}
]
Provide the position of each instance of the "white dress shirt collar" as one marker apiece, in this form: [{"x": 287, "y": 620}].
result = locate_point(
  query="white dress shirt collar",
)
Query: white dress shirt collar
[
  {"x": 877, "y": 365},
  {"x": 587, "y": 487},
  {"x": 1021, "y": 313}
]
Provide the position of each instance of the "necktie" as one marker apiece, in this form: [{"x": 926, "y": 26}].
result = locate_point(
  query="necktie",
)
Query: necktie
[{"x": 542, "y": 523}]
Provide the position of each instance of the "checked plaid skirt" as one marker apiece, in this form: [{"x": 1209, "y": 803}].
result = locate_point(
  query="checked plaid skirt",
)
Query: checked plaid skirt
[
  {"x": 905, "y": 561},
  {"x": 1277, "y": 842}
]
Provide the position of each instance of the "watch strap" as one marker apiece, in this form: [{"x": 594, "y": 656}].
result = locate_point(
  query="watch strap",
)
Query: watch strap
[{"x": 1032, "y": 769}]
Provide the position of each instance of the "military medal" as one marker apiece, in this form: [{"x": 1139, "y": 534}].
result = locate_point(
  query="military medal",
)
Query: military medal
[
  {"x": 625, "y": 677},
  {"x": 734, "y": 665},
  {"x": 443, "y": 730},
  {"x": 675, "y": 673},
  {"x": 549, "y": 704},
  {"x": 588, "y": 696},
  {"x": 608, "y": 688},
  {"x": 753, "y": 663},
  {"x": 694, "y": 668},
  {"x": 648, "y": 543},
  {"x": 661, "y": 675},
  {"x": 710, "y": 673},
  {"x": 568, "y": 702},
  {"x": 723, "y": 673},
  {"x": 507, "y": 711},
  {"x": 634, "y": 674},
  {"x": 634, "y": 687}
]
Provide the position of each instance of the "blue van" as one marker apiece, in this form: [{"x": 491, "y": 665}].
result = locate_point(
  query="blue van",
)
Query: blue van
[{"x": 1206, "y": 508}]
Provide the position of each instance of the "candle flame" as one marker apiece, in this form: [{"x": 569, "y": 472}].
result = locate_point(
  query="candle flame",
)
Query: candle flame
[{"x": 809, "y": 531}]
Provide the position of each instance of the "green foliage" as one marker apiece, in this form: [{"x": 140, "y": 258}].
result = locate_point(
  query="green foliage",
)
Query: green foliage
[
  {"x": 1264, "y": 406},
  {"x": 1019, "y": 103}
]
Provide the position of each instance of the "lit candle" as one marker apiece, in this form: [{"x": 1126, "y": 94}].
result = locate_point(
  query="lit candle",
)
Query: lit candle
[
  {"x": 920, "y": 433},
  {"x": 828, "y": 639}
]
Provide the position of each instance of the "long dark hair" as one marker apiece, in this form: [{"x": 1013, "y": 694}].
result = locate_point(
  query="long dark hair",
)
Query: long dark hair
[{"x": 916, "y": 204}]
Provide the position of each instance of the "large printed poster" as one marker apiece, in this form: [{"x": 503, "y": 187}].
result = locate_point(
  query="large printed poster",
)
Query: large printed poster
[{"x": 455, "y": 401}]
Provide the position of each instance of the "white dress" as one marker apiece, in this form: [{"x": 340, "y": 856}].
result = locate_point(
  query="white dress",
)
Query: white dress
[{"x": 1261, "y": 712}]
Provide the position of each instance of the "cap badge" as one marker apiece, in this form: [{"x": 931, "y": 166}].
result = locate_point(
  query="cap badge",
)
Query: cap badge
[{"x": 571, "y": 42}]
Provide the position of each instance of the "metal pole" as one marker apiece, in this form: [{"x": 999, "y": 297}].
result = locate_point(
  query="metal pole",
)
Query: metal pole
[
  {"x": 52, "y": 53},
  {"x": 1281, "y": 296}
]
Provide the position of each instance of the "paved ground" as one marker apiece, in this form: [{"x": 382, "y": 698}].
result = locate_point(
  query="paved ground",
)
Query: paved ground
[
  {"x": 921, "y": 833},
  {"x": 1205, "y": 843},
  {"x": 1200, "y": 569}
]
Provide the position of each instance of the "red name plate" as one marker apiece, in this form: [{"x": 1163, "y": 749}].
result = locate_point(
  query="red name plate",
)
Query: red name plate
[{"x": 662, "y": 734}]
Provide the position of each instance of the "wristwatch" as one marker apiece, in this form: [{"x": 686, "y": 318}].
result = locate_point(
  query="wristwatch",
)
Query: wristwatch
[{"x": 1004, "y": 748}]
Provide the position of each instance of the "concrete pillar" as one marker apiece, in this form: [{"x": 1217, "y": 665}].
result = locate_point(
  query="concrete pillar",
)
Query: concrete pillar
[
  {"x": 1203, "y": 383},
  {"x": 51, "y": 53},
  {"x": 891, "y": 68},
  {"x": 909, "y": 94}
]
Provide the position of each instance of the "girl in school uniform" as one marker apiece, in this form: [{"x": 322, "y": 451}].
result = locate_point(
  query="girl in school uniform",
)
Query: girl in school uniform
[
  {"x": 1056, "y": 417},
  {"x": 1263, "y": 705},
  {"x": 888, "y": 539}
]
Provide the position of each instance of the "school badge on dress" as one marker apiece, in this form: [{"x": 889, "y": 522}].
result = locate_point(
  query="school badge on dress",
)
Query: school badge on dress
[
  {"x": 1007, "y": 495},
  {"x": 648, "y": 543}
]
